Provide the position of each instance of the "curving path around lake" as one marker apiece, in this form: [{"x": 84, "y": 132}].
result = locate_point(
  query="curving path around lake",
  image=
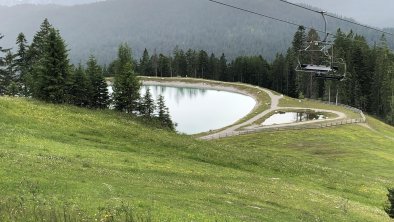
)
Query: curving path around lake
[
  {"x": 274, "y": 105},
  {"x": 340, "y": 116},
  {"x": 247, "y": 125}
]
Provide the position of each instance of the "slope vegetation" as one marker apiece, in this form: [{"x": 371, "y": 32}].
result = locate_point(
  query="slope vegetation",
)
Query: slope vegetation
[{"x": 69, "y": 163}]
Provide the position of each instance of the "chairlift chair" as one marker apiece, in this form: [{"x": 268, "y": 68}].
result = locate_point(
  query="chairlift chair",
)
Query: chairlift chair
[{"x": 328, "y": 67}]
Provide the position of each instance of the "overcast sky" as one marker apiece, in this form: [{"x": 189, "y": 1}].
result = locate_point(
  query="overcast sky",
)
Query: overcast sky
[
  {"x": 60, "y": 2},
  {"x": 378, "y": 13}
]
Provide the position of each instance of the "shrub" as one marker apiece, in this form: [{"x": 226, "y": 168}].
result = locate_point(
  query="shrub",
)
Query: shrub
[{"x": 390, "y": 207}]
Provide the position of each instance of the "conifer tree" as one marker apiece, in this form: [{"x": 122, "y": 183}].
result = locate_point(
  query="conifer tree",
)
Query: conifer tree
[
  {"x": 81, "y": 88},
  {"x": 8, "y": 76},
  {"x": 51, "y": 69},
  {"x": 311, "y": 84},
  {"x": 222, "y": 68},
  {"x": 163, "y": 114},
  {"x": 71, "y": 86},
  {"x": 145, "y": 67},
  {"x": 147, "y": 104},
  {"x": 291, "y": 84},
  {"x": 154, "y": 61},
  {"x": 179, "y": 63},
  {"x": 164, "y": 65},
  {"x": 213, "y": 67},
  {"x": 22, "y": 64},
  {"x": 202, "y": 64},
  {"x": 98, "y": 91},
  {"x": 380, "y": 88},
  {"x": 38, "y": 45},
  {"x": 35, "y": 53},
  {"x": 2, "y": 71},
  {"x": 360, "y": 78},
  {"x": 191, "y": 58},
  {"x": 279, "y": 73},
  {"x": 298, "y": 44},
  {"x": 299, "y": 39},
  {"x": 126, "y": 85}
]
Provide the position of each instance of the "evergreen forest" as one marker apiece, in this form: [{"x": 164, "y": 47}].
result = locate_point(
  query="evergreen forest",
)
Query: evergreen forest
[
  {"x": 43, "y": 71},
  {"x": 368, "y": 85}
]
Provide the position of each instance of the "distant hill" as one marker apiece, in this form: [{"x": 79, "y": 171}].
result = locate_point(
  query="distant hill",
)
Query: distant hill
[{"x": 100, "y": 27}]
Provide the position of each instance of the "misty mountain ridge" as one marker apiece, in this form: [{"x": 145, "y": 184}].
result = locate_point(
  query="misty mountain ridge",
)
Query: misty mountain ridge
[{"x": 99, "y": 28}]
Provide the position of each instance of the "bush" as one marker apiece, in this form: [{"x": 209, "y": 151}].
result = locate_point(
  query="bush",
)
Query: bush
[
  {"x": 37, "y": 208},
  {"x": 390, "y": 207}
]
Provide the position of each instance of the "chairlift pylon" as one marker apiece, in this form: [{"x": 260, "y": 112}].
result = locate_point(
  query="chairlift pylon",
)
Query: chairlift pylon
[{"x": 327, "y": 67}]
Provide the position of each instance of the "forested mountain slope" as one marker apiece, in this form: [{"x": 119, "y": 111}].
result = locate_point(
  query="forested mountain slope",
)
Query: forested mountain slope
[{"x": 156, "y": 24}]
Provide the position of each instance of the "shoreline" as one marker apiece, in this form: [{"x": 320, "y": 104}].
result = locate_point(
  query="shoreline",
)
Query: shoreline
[
  {"x": 201, "y": 85},
  {"x": 254, "y": 92},
  {"x": 261, "y": 108}
]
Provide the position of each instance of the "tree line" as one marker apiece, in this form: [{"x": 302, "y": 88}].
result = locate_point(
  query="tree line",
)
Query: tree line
[
  {"x": 369, "y": 82},
  {"x": 42, "y": 71}
]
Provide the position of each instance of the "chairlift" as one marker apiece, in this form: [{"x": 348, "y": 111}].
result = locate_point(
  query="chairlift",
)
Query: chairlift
[{"x": 326, "y": 67}]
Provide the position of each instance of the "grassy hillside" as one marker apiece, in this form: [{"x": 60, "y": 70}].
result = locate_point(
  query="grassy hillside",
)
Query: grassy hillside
[{"x": 69, "y": 163}]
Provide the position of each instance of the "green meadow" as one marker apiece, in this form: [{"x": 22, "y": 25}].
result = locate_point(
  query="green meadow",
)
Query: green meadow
[{"x": 62, "y": 163}]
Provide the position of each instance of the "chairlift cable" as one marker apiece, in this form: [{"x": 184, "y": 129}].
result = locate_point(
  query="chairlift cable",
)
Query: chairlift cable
[
  {"x": 282, "y": 20},
  {"x": 319, "y": 71},
  {"x": 335, "y": 17},
  {"x": 263, "y": 15}
]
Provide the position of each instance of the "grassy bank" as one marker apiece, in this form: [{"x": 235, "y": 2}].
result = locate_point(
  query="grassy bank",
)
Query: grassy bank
[
  {"x": 305, "y": 103},
  {"x": 327, "y": 115},
  {"x": 62, "y": 160}
]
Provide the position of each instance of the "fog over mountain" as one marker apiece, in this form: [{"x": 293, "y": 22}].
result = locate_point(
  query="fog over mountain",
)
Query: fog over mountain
[
  {"x": 377, "y": 13},
  {"x": 43, "y": 2},
  {"x": 99, "y": 28}
]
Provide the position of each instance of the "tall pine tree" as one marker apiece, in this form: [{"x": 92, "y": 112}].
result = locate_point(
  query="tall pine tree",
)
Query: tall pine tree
[
  {"x": 164, "y": 65},
  {"x": 223, "y": 69},
  {"x": 51, "y": 69},
  {"x": 298, "y": 44},
  {"x": 98, "y": 91},
  {"x": 81, "y": 88},
  {"x": 22, "y": 64},
  {"x": 10, "y": 80},
  {"x": 145, "y": 67},
  {"x": 147, "y": 105},
  {"x": 2, "y": 70},
  {"x": 164, "y": 114},
  {"x": 38, "y": 45},
  {"x": 126, "y": 85}
]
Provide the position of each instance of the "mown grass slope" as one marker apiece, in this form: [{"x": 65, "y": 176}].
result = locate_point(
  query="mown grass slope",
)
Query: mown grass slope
[{"x": 69, "y": 163}]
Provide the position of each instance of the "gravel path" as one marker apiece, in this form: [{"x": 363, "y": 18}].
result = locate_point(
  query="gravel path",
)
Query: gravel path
[{"x": 274, "y": 107}]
